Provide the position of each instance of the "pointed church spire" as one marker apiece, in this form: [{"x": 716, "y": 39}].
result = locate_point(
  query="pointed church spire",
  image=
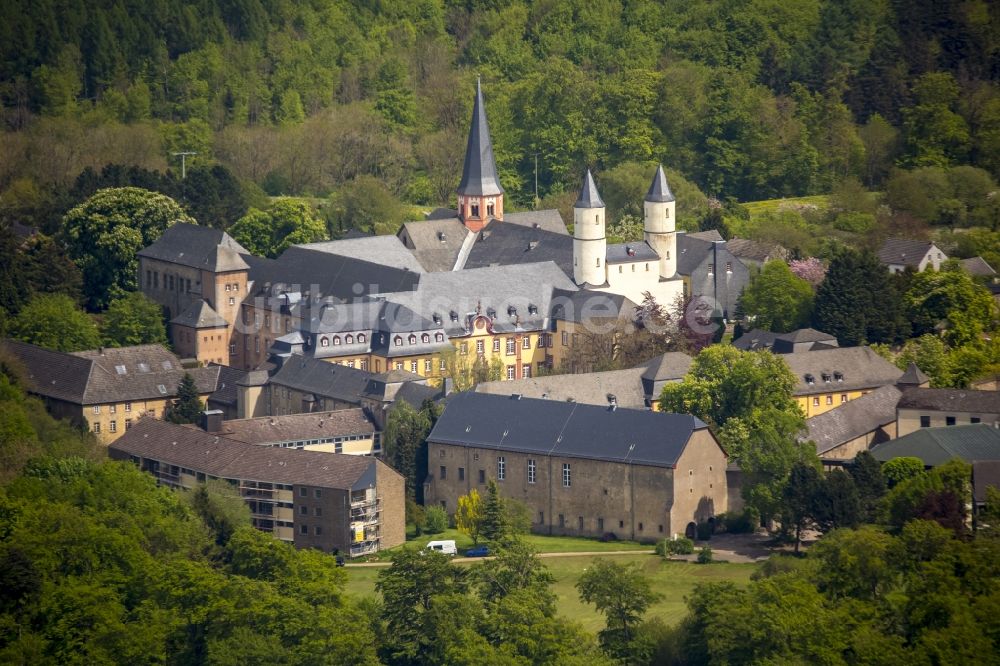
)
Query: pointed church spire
[
  {"x": 479, "y": 174},
  {"x": 659, "y": 191},
  {"x": 589, "y": 197}
]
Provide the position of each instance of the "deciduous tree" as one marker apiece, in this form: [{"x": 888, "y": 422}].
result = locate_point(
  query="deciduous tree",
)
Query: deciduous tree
[{"x": 55, "y": 321}]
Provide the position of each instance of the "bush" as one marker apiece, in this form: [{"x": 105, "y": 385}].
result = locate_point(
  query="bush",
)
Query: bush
[
  {"x": 435, "y": 520},
  {"x": 740, "y": 523},
  {"x": 678, "y": 546},
  {"x": 704, "y": 531},
  {"x": 705, "y": 555}
]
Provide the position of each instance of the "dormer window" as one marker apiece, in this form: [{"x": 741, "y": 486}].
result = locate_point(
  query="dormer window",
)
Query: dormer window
[
  {"x": 324, "y": 342},
  {"x": 491, "y": 313},
  {"x": 532, "y": 309},
  {"x": 839, "y": 376},
  {"x": 439, "y": 337},
  {"x": 336, "y": 340},
  {"x": 349, "y": 339},
  {"x": 412, "y": 339},
  {"x": 453, "y": 315},
  {"x": 397, "y": 341},
  {"x": 810, "y": 379},
  {"x": 511, "y": 311},
  {"x": 425, "y": 338},
  {"x": 826, "y": 377},
  {"x": 361, "y": 337}
]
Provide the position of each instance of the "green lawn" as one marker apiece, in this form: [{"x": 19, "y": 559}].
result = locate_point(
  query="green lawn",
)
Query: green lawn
[
  {"x": 674, "y": 580},
  {"x": 821, "y": 201},
  {"x": 541, "y": 543}
]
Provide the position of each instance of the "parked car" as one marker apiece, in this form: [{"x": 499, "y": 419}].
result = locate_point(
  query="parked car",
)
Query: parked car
[
  {"x": 482, "y": 550},
  {"x": 447, "y": 547}
]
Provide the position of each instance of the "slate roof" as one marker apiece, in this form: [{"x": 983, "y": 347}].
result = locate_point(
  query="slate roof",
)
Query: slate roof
[
  {"x": 787, "y": 342},
  {"x": 913, "y": 376},
  {"x": 328, "y": 380},
  {"x": 190, "y": 447},
  {"x": 200, "y": 315},
  {"x": 853, "y": 419},
  {"x": 325, "y": 274},
  {"x": 667, "y": 367},
  {"x": 860, "y": 367},
  {"x": 691, "y": 252},
  {"x": 903, "y": 251},
  {"x": 548, "y": 220},
  {"x": 757, "y": 338},
  {"x": 711, "y": 235},
  {"x": 296, "y": 427},
  {"x": 755, "y": 251},
  {"x": 435, "y": 243},
  {"x": 659, "y": 190},
  {"x": 581, "y": 305},
  {"x": 382, "y": 250},
  {"x": 503, "y": 244},
  {"x": 939, "y": 445},
  {"x": 564, "y": 429},
  {"x": 589, "y": 197},
  {"x": 626, "y": 253},
  {"x": 589, "y": 389},
  {"x": 519, "y": 296},
  {"x": 226, "y": 391},
  {"x": 196, "y": 246},
  {"x": 977, "y": 266},
  {"x": 113, "y": 374},
  {"x": 479, "y": 173},
  {"x": 951, "y": 400},
  {"x": 415, "y": 394}
]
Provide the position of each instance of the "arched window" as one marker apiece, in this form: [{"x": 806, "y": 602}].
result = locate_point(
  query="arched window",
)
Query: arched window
[
  {"x": 439, "y": 337},
  {"x": 323, "y": 342},
  {"x": 425, "y": 338},
  {"x": 361, "y": 337},
  {"x": 349, "y": 339},
  {"x": 336, "y": 340},
  {"x": 412, "y": 339},
  {"x": 397, "y": 341}
]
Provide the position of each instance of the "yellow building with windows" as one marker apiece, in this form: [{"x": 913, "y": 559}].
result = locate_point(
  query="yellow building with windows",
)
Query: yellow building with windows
[
  {"x": 107, "y": 390},
  {"x": 828, "y": 378}
]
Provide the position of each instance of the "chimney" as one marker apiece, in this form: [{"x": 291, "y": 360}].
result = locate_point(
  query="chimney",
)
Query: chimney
[
  {"x": 515, "y": 396},
  {"x": 612, "y": 401},
  {"x": 532, "y": 244},
  {"x": 211, "y": 420}
]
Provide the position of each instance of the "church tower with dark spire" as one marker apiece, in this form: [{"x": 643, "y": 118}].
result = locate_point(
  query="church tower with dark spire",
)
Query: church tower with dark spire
[{"x": 480, "y": 197}]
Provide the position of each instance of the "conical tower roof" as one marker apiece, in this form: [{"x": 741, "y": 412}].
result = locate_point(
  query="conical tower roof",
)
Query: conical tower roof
[
  {"x": 589, "y": 197},
  {"x": 659, "y": 191},
  {"x": 479, "y": 174}
]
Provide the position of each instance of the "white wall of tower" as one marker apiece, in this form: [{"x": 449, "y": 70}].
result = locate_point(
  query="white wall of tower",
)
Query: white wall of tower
[
  {"x": 590, "y": 246},
  {"x": 660, "y": 231}
]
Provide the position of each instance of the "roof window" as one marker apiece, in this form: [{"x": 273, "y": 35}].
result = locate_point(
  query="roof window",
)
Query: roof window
[{"x": 120, "y": 369}]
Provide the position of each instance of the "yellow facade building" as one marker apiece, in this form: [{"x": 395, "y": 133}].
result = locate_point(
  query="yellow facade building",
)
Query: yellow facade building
[{"x": 828, "y": 378}]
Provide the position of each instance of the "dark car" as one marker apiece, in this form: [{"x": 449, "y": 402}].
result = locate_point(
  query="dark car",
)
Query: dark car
[
  {"x": 478, "y": 551},
  {"x": 609, "y": 536}
]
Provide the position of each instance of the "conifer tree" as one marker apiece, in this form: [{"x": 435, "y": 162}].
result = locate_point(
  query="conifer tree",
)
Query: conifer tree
[
  {"x": 187, "y": 408},
  {"x": 493, "y": 524}
]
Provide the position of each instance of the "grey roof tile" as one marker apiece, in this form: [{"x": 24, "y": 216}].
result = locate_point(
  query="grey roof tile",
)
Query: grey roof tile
[
  {"x": 548, "y": 220},
  {"x": 904, "y": 251},
  {"x": 190, "y": 447},
  {"x": 859, "y": 368},
  {"x": 479, "y": 173},
  {"x": 625, "y": 253},
  {"x": 590, "y": 389},
  {"x": 197, "y": 246},
  {"x": 328, "y": 380},
  {"x": 755, "y": 251},
  {"x": 294, "y": 427},
  {"x": 913, "y": 376},
  {"x": 435, "y": 243},
  {"x": 939, "y": 445},
  {"x": 957, "y": 400},
  {"x": 564, "y": 429},
  {"x": 853, "y": 419},
  {"x": 589, "y": 197},
  {"x": 382, "y": 250},
  {"x": 977, "y": 266},
  {"x": 659, "y": 190},
  {"x": 502, "y": 244},
  {"x": 200, "y": 315}
]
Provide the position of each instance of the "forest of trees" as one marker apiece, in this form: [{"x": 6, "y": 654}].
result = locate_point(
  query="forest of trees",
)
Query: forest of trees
[{"x": 749, "y": 99}]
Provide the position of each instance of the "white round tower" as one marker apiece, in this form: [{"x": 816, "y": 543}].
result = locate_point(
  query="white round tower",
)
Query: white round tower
[
  {"x": 590, "y": 246},
  {"x": 660, "y": 225}
]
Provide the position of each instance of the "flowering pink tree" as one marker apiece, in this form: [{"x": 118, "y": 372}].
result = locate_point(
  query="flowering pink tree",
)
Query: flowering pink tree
[{"x": 811, "y": 270}]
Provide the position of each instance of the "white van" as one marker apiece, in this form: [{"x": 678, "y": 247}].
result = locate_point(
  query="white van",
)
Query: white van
[{"x": 446, "y": 547}]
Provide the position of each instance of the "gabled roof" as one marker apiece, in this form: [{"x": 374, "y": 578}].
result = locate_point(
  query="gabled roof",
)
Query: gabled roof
[
  {"x": 659, "y": 191},
  {"x": 667, "y": 367},
  {"x": 755, "y": 251},
  {"x": 382, "y": 250},
  {"x": 977, "y": 266},
  {"x": 565, "y": 429},
  {"x": 295, "y": 427},
  {"x": 939, "y": 445},
  {"x": 589, "y": 197},
  {"x": 583, "y": 305},
  {"x": 322, "y": 379},
  {"x": 197, "y": 246},
  {"x": 502, "y": 244},
  {"x": 951, "y": 400},
  {"x": 436, "y": 242},
  {"x": 226, "y": 391},
  {"x": 590, "y": 389},
  {"x": 816, "y": 340},
  {"x": 757, "y": 338},
  {"x": 548, "y": 220},
  {"x": 913, "y": 376},
  {"x": 853, "y": 419},
  {"x": 111, "y": 374},
  {"x": 839, "y": 370},
  {"x": 691, "y": 252},
  {"x": 626, "y": 253},
  {"x": 479, "y": 173},
  {"x": 190, "y": 447},
  {"x": 200, "y": 315},
  {"x": 903, "y": 251}
]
